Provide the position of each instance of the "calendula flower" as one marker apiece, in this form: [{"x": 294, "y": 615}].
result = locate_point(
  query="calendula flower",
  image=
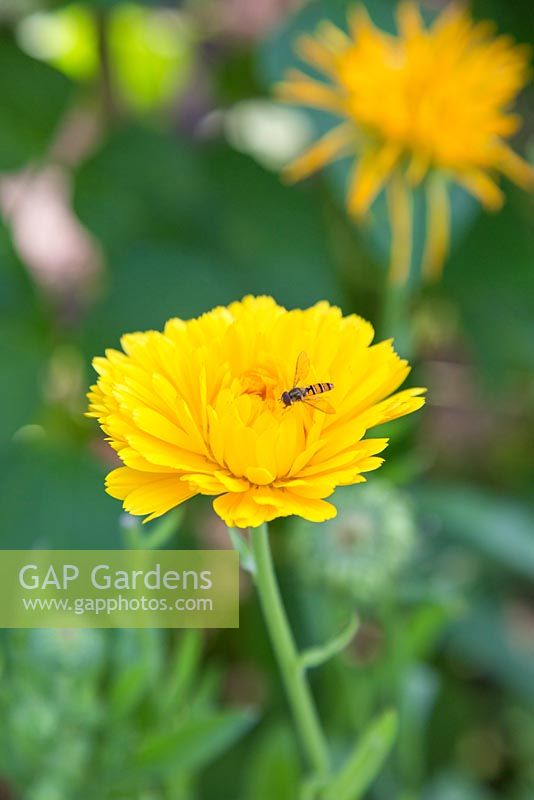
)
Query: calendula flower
[
  {"x": 427, "y": 104},
  {"x": 200, "y": 408}
]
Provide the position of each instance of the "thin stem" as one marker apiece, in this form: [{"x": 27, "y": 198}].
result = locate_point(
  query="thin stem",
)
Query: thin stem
[
  {"x": 438, "y": 224},
  {"x": 394, "y": 321},
  {"x": 298, "y": 691},
  {"x": 400, "y": 216},
  {"x": 107, "y": 88}
]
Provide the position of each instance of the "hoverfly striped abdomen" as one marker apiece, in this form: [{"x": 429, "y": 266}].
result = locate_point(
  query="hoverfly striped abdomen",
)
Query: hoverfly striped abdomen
[{"x": 318, "y": 388}]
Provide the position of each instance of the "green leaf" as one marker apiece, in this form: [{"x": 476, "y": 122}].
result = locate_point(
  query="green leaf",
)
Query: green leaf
[
  {"x": 316, "y": 656},
  {"x": 491, "y": 282},
  {"x": 185, "y": 229},
  {"x": 513, "y": 18},
  {"x": 23, "y": 357},
  {"x": 138, "y": 664},
  {"x": 452, "y": 784},
  {"x": 18, "y": 298},
  {"x": 141, "y": 646},
  {"x": 273, "y": 769},
  {"x": 419, "y": 692},
  {"x": 193, "y": 743},
  {"x": 142, "y": 186},
  {"x": 33, "y": 98},
  {"x": 183, "y": 669},
  {"x": 128, "y": 690},
  {"x": 363, "y": 765},
  {"x": 53, "y": 497},
  {"x": 424, "y": 627},
  {"x": 165, "y": 529},
  {"x": 24, "y": 342},
  {"x": 496, "y": 639},
  {"x": 152, "y": 282},
  {"x": 499, "y": 529}
]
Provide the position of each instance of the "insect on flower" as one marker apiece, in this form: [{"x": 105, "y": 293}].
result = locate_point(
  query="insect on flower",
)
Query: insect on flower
[
  {"x": 302, "y": 393},
  {"x": 202, "y": 408}
]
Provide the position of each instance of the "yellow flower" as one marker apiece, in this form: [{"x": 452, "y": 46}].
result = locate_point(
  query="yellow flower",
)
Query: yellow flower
[
  {"x": 197, "y": 410},
  {"x": 428, "y": 103}
]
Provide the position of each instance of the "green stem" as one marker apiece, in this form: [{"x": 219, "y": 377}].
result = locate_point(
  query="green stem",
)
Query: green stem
[
  {"x": 394, "y": 322},
  {"x": 110, "y": 110},
  {"x": 298, "y": 691}
]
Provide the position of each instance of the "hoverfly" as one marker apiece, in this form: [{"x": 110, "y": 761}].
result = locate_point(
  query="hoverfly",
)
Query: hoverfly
[{"x": 307, "y": 393}]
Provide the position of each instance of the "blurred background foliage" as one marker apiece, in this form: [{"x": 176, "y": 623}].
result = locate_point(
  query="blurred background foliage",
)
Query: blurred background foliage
[{"x": 139, "y": 157}]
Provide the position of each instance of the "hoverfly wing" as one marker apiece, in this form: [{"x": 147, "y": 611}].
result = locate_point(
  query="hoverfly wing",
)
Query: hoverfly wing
[
  {"x": 302, "y": 369},
  {"x": 321, "y": 404}
]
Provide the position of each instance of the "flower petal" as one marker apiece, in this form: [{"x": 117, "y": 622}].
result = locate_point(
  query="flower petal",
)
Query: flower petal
[
  {"x": 515, "y": 168},
  {"x": 370, "y": 174},
  {"x": 299, "y": 88},
  {"x": 225, "y": 431},
  {"x": 143, "y": 493},
  {"x": 337, "y": 143},
  {"x": 484, "y": 188}
]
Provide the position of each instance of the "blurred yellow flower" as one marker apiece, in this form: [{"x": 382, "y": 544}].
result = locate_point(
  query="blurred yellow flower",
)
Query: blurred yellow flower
[
  {"x": 428, "y": 103},
  {"x": 198, "y": 409}
]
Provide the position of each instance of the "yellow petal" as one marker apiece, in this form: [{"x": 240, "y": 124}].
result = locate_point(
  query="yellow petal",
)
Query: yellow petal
[
  {"x": 238, "y": 510},
  {"x": 259, "y": 475},
  {"x": 397, "y": 405},
  {"x": 370, "y": 174},
  {"x": 309, "y": 508},
  {"x": 515, "y": 168},
  {"x": 360, "y": 22},
  {"x": 337, "y": 143},
  {"x": 167, "y": 455},
  {"x": 161, "y": 427},
  {"x": 332, "y": 36},
  {"x": 417, "y": 168},
  {"x": 231, "y": 483},
  {"x": 185, "y": 416},
  {"x": 299, "y": 88},
  {"x": 144, "y": 493},
  {"x": 409, "y": 19},
  {"x": 316, "y": 54},
  {"x": 483, "y": 187}
]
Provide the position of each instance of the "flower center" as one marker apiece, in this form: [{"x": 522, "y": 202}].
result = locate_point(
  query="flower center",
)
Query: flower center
[{"x": 259, "y": 382}]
